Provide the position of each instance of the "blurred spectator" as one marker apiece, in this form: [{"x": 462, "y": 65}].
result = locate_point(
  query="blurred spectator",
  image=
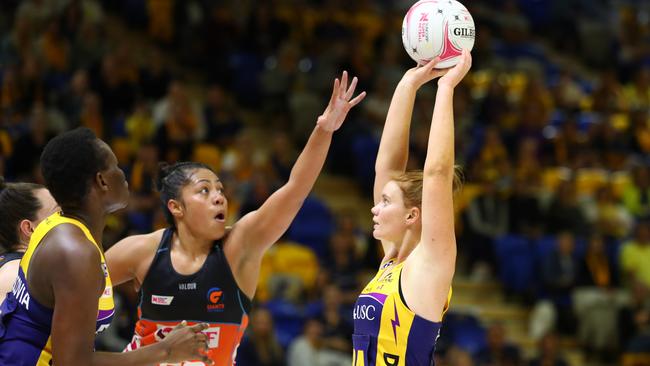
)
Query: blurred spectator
[
  {"x": 457, "y": 357},
  {"x": 144, "y": 199},
  {"x": 154, "y": 76},
  {"x": 548, "y": 352},
  {"x": 564, "y": 213},
  {"x": 635, "y": 255},
  {"x": 139, "y": 125},
  {"x": 567, "y": 94},
  {"x": 498, "y": 351},
  {"x": 568, "y": 144},
  {"x": 636, "y": 195},
  {"x": 177, "y": 124},
  {"x": 91, "y": 116},
  {"x": 90, "y": 46},
  {"x": 53, "y": 48},
  {"x": 71, "y": 99},
  {"x": 117, "y": 94},
  {"x": 487, "y": 219},
  {"x": 560, "y": 271},
  {"x": 596, "y": 301},
  {"x": 220, "y": 113},
  {"x": 524, "y": 208},
  {"x": 260, "y": 346},
  {"x": 638, "y": 92},
  {"x": 640, "y": 131},
  {"x": 634, "y": 319},
  {"x": 607, "y": 214},
  {"x": 598, "y": 267},
  {"x": 19, "y": 42},
  {"x": 342, "y": 267},
  {"x": 307, "y": 349},
  {"x": 38, "y": 12},
  {"x": 608, "y": 96},
  {"x": 259, "y": 188},
  {"x": 25, "y": 160},
  {"x": 365, "y": 248},
  {"x": 161, "y": 19},
  {"x": 337, "y": 322}
]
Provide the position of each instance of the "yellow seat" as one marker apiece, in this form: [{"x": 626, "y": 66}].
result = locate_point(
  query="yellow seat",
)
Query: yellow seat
[
  {"x": 636, "y": 359},
  {"x": 297, "y": 260},
  {"x": 466, "y": 195},
  {"x": 551, "y": 177},
  {"x": 287, "y": 259},
  {"x": 208, "y": 155},
  {"x": 620, "y": 180},
  {"x": 589, "y": 180},
  {"x": 262, "y": 293},
  {"x": 122, "y": 150}
]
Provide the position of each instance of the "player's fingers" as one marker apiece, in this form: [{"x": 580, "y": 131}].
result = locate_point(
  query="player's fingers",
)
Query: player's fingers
[
  {"x": 182, "y": 324},
  {"x": 353, "y": 86},
  {"x": 357, "y": 99},
  {"x": 199, "y": 327},
  {"x": 344, "y": 83}
]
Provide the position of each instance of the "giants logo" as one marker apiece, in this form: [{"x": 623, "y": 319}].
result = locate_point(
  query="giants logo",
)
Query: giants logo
[{"x": 214, "y": 300}]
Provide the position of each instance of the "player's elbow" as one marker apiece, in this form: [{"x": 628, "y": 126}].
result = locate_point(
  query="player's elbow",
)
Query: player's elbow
[{"x": 439, "y": 170}]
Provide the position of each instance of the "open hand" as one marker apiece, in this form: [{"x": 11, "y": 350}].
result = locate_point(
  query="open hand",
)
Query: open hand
[{"x": 340, "y": 103}]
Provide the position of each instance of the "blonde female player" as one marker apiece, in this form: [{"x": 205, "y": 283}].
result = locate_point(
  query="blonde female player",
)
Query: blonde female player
[
  {"x": 200, "y": 270},
  {"x": 398, "y": 315}
]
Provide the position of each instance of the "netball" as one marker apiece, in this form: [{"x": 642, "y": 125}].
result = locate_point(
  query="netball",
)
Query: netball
[{"x": 433, "y": 28}]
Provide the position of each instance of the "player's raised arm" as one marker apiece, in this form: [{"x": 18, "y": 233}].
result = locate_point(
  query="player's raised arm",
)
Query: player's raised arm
[
  {"x": 263, "y": 227},
  {"x": 438, "y": 239},
  {"x": 394, "y": 146}
]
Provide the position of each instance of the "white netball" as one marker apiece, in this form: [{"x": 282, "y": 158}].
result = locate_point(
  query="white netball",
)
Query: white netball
[{"x": 434, "y": 28}]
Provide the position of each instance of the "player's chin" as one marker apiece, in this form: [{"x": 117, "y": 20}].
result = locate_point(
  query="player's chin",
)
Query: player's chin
[
  {"x": 217, "y": 229},
  {"x": 376, "y": 234}
]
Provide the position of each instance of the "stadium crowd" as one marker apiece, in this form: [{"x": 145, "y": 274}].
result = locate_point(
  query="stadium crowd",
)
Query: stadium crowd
[{"x": 553, "y": 133}]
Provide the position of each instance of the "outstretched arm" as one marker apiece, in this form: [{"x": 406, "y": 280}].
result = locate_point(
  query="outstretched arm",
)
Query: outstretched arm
[
  {"x": 259, "y": 229},
  {"x": 438, "y": 239},
  {"x": 427, "y": 276},
  {"x": 394, "y": 146}
]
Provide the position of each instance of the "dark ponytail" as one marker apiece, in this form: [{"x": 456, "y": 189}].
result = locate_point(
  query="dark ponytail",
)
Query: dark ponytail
[
  {"x": 18, "y": 202},
  {"x": 171, "y": 179}
]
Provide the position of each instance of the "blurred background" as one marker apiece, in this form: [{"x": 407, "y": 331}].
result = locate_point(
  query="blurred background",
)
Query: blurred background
[{"x": 552, "y": 131}]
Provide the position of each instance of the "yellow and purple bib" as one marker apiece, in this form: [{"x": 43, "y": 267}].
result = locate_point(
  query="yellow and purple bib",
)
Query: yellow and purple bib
[
  {"x": 25, "y": 324},
  {"x": 386, "y": 331}
]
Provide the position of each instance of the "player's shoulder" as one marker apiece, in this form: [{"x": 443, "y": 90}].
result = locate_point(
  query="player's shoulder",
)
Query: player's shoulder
[{"x": 139, "y": 243}]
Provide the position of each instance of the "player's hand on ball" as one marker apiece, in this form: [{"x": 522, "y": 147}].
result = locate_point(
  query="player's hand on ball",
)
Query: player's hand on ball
[
  {"x": 423, "y": 73},
  {"x": 454, "y": 75},
  {"x": 340, "y": 103}
]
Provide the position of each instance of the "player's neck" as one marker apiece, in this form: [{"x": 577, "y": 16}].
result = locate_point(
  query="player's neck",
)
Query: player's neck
[
  {"x": 190, "y": 244},
  {"x": 409, "y": 242},
  {"x": 93, "y": 218}
]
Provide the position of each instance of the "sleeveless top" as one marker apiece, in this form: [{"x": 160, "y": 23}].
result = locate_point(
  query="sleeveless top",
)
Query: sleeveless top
[
  {"x": 210, "y": 295},
  {"x": 386, "y": 331},
  {"x": 25, "y": 324},
  {"x": 10, "y": 256}
]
